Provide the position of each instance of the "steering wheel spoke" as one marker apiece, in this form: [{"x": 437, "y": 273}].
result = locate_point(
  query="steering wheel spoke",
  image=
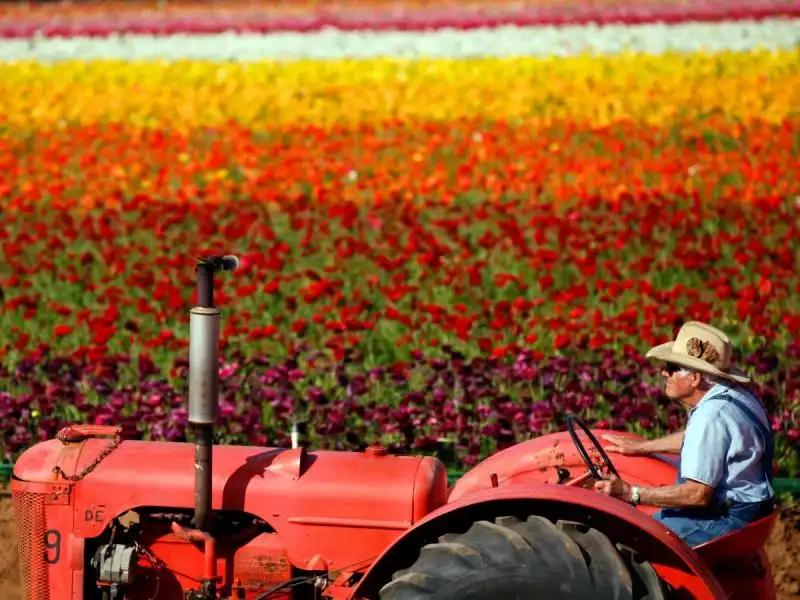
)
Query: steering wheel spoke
[{"x": 593, "y": 469}]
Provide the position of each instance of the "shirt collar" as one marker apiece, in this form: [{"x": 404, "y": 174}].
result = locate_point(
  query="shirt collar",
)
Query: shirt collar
[{"x": 717, "y": 390}]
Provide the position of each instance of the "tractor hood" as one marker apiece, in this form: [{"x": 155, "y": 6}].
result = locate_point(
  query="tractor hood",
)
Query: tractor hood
[{"x": 368, "y": 498}]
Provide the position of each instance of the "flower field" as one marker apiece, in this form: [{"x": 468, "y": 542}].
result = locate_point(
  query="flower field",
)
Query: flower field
[{"x": 450, "y": 235}]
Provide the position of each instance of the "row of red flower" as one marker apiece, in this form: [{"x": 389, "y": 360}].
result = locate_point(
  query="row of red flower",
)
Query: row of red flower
[
  {"x": 428, "y": 18},
  {"x": 492, "y": 277},
  {"x": 462, "y": 244},
  {"x": 375, "y": 244}
]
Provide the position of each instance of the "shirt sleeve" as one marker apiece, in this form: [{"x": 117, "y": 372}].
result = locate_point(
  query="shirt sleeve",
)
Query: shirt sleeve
[{"x": 705, "y": 447}]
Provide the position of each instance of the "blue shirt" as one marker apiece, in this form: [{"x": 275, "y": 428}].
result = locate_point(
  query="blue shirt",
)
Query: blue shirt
[{"x": 724, "y": 448}]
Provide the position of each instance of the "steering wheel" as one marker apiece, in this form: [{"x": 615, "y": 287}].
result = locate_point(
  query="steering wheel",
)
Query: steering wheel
[{"x": 571, "y": 420}]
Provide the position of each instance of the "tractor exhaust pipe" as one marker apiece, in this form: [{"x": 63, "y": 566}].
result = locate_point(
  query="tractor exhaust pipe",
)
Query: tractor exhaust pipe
[{"x": 204, "y": 380}]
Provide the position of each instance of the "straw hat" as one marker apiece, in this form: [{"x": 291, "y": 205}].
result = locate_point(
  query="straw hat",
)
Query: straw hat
[{"x": 701, "y": 347}]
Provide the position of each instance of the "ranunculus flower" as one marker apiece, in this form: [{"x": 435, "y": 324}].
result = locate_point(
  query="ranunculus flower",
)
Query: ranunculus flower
[{"x": 398, "y": 221}]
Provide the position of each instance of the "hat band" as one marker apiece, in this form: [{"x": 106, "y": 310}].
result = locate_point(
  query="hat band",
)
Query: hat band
[{"x": 705, "y": 351}]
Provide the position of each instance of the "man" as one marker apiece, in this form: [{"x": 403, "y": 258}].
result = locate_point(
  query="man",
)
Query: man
[{"x": 726, "y": 451}]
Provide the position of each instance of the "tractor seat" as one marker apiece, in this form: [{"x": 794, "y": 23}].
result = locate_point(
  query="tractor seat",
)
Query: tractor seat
[{"x": 740, "y": 543}]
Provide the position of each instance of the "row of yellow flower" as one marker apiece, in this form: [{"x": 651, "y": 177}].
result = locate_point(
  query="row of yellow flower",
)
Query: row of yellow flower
[{"x": 588, "y": 89}]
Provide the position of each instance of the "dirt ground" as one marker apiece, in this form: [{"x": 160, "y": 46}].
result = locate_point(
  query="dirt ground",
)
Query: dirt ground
[
  {"x": 783, "y": 549},
  {"x": 9, "y": 583}
]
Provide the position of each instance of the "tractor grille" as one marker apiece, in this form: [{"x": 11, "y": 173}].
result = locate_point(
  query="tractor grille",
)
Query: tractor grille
[{"x": 30, "y": 516}]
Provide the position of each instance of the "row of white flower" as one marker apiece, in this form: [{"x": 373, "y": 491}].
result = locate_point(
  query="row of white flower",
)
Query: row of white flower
[{"x": 333, "y": 44}]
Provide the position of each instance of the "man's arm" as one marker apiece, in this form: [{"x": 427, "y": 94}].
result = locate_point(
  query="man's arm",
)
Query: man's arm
[
  {"x": 702, "y": 469},
  {"x": 681, "y": 495},
  {"x": 669, "y": 444}
]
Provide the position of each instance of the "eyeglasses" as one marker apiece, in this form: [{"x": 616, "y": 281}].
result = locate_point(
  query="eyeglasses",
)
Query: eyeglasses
[{"x": 672, "y": 368}]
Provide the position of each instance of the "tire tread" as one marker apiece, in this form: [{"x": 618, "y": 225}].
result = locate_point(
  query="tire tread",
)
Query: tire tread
[{"x": 571, "y": 554}]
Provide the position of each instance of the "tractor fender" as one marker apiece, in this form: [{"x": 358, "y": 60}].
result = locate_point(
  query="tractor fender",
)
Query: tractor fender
[{"x": 671, "y": 557}]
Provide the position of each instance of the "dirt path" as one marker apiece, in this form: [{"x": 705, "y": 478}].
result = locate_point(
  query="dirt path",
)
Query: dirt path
[
  {"x": 784, "y": 556},
  {"x": 783, "y": 549},
  {"x": 9, "y": 581}
]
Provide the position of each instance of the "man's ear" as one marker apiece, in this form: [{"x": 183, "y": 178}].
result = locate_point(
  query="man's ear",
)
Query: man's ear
[{"x": 697, "y": 379}]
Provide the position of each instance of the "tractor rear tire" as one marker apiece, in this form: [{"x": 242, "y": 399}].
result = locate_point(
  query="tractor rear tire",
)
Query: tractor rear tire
[{"x": 511, "y": 559}]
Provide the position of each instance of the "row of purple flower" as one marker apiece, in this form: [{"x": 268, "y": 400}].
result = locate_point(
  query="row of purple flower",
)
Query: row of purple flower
[{"x": 480, "y": 404}]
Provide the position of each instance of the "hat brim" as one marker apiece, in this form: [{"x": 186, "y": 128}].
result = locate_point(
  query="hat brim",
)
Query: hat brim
[{"x": 664, "y": 353}]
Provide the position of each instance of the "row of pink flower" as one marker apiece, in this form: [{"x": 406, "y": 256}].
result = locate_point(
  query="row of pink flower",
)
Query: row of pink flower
[{"x": 406, "y": 20}]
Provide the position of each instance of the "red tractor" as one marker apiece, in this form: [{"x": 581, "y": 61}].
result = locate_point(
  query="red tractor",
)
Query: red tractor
[{"x": 101, "y": 518}]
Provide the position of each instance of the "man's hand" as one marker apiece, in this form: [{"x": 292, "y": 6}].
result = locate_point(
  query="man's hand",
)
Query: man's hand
[
  {"x": 614, "y": 487},
  {"x": 623, "y": 445}
]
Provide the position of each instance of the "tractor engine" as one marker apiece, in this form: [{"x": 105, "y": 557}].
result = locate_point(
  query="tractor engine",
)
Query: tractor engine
[{"x": 103, "y": 518}]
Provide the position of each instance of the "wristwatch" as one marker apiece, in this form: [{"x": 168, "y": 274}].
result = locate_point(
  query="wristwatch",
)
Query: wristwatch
[{"x": 635, "y": 495}]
